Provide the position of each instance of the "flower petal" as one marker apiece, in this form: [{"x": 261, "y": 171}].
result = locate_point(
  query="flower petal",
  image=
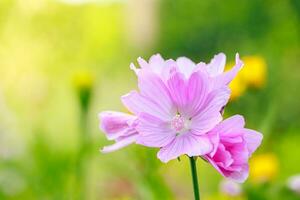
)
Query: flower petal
[
  {"x": 154, "y": 132},
  {"x": 209, "y": 116},
  {"x": 116, "y": 124},
  {"x": 223, "y": 157},
  {"x": 253, "y": 139},
  {"x": 226, "y": 78},
  {"x": 215, "y": 140},
  {"x": 153, "y": 88},
  {"x": 186, "y": 66},
  {"x": 156, "y": 65},
  {"x": 201, "y": 124},
  {"x": 216, "y": 100},
  {"x": 156, "y": 62},
  {"x": 143, "y": 64},
  {"x": 231, "y": 126},
  {"x": 134, "y": 68},
  {"x": 192, "y": 145},
  {"x": 238, "y": 175},
  {"x": 216, "y": 65},
  {"x": 137, "y": 104},
  {"x": 241, "y": 175},
  {"x": 120, "y": 144},
  {"x": 197, "y": 91},
  {"x": 177, "y": 89}
]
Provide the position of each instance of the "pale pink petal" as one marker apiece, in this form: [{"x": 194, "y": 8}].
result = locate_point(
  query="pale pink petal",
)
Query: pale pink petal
[
  {"x": 201, "y": 124},
  {"x": 239, "y": 153},
  {"x": 186, "y": 66},
  {"x": 170, "y": 66},
  {"x": 156, "y": 62},
  {"x": 177, "y": 89},
  {"x": 210, "y": 115},
  {"x": 237, "y": 137},
  {"x": 134, "y": 68},
  {"x": 154, "y": 132},
  {"x": 226, "y": 78},
  {"x": 238, "y": 175},
  {"x": 216, "y": 65},
  {"x": 253, "y": 139},
  {"x": 153, "y": 88},
  {"x": 156, "y": 65},
  {"x": 216, "y": 100},
  {"x": 137, "y": 104},
  {"x": 116, "y": 124},
  {"x": 215, "y": 140},
  {"x": 197, "y": 91},
  {"x": 215, "y": 165},
  {"x": 201, "y": 66},
  {"x": 192, "y": 145},
  {"x": 241, "y": 175},
  {"x": 119, "y": 144},
  {"x": 156, "y": 59},
  {"x": 143, "y": 64},
  {"x": 231, "y": 126}
]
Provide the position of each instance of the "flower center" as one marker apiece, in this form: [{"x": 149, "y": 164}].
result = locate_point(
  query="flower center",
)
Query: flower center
[
  {"x": 180, "y": 124},
  {"x": 177, "y": 123}
]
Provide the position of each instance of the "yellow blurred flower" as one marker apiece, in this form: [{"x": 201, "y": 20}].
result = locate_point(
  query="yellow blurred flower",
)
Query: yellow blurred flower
[
  {"x": 254, "y": 71},
  {"x": 83, "y": 80},
  {"x": 238, "y": 87},
  {"x": 253, "y": 74},
  {"x": 263, "y": 168}
]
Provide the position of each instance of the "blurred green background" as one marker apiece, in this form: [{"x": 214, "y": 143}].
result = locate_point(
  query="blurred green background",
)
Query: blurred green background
[{"x": 62, "y": 62}]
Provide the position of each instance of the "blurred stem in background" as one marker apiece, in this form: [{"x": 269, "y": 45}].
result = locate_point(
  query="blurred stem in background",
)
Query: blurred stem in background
[
  {"x": 195, "y": 178},
  {"x": 151, "y": 179},
  {"x": 84, "y": 85}
]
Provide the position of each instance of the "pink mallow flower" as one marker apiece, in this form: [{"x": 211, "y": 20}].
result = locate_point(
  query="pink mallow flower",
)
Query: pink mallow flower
[
  {"x": 234, "y": 147},
  {"x": 178, "y": 103},
  {"x": 176, "y": 115}
]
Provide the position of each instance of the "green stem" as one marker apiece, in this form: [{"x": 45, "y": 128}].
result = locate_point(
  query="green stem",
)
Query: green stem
[
  {"x": 195, "y": 178},
  {"x": 82, "y": 156}
]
